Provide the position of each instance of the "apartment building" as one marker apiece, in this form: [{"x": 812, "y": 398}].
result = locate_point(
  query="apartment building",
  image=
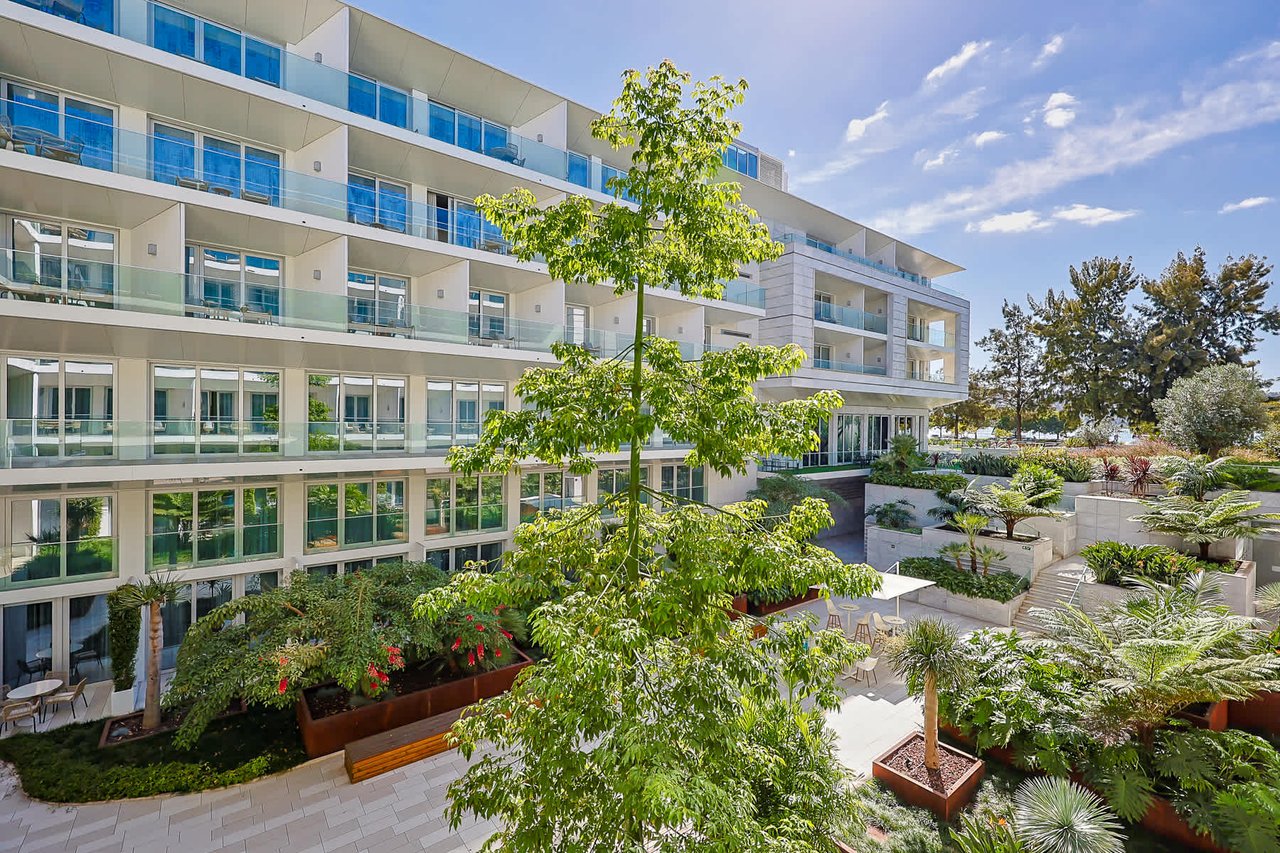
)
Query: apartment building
[{"x": 248, "y": 304}]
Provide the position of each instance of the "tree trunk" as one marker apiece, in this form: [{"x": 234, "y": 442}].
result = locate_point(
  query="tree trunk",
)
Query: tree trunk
[
  {"x": 633, "y": 483},
  {"x": 151, "y": 707},
  {"x": 931, "y": 760},
  {"x": 1008, "y": 529}
]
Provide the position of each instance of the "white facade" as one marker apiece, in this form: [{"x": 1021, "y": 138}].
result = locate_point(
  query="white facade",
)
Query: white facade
[{"x": 250, "y": 306}]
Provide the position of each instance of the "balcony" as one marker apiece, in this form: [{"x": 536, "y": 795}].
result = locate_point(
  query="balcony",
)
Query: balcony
[
  {"x": 794, "y": 239},
  {"x": 820, "y": 461},
  {"x": 928, "y": 376},
  {"x": 849, "y": 367},
  {"x": 931, "y": 337},
  {"x": 182, "y": 34},
  {"x": 850, "y": 318}
]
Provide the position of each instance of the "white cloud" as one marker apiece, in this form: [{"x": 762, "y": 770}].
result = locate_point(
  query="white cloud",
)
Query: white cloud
[
  {"x": 1051, "y": 49},
  {"x": 1083, "y": 214},
  {"x": 1250, "y": 97},
  {"x": 1246, "y": 203},
  {"x": 858, "y": 126},
  {"x": 968, "y": 52},
  {"x": 987, "y": 137},
  {"x": 1017, "y": 222},
  {"x": 945, "y": 156},
  {"x": 791, "y": 152},
  {"x": 1058, "y": 110}
]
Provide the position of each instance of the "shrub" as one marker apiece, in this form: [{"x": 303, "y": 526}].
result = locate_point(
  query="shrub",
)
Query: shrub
[
  {"x": 1213, "y": 409},
  {"x": 1042, "y": 487},
  {"x": 893, "y": 515},
  {"x": 997, "y": 586},
  {"x": 1193, "y": 476},
  {"x": 1230, "y": 515},
  {"x": 919, "y": 480},
  {"x": 1071, "y": 467},
  {"x": 124, "y": 620},
  {"x": 988, "y": 465},
  {"x": 1113, "y": 562}
]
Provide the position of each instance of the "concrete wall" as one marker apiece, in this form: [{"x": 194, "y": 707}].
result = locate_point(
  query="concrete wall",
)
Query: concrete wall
[{"x": 886, "y": 547}]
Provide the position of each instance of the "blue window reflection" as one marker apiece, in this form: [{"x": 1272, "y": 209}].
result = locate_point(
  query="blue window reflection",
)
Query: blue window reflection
[
  {"x": 32, "y": 108},
  {"x": 579, "y": 170},
  {"x": 495, "y": 139},
  {"x": 99, "y": 14},
  {"x": 262, "y": 173},
  {"x": 393, "y": 107},
  {"x": 466, "y": 225},
  {"x": 173, "y": 154},
  {"x": 469, "y": 136},
  {"x": 94, "y": 128},
  {"x": 222, "y": 166},
  {"x": 222, "y": 48},
  {"x": 173, "y": 32},
  {"x": 261, "y": 61},
  {"x": 393, "y": 206},
  {"x": 440, "y": 123},
  {"x": 362, "y": 199},
  {"x": 362, "y": 96}
]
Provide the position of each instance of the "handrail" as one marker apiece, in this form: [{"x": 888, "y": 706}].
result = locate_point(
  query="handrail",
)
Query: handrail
[{"x": 895, "y": 569}]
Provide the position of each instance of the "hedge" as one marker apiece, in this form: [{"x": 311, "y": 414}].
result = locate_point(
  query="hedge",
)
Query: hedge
[{"x": 998, "y": 586}]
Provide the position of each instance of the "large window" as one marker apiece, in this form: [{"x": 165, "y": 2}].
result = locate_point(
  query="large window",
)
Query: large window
[
  {"x": 577, "y": 327},
  {"x": 878, "y": 434},
  {"x": 848, "y": 437},
  {"x": 471, "y": 132},
  {"x": 487, "y": 557},
  {"x": 213, "y": 526},
  {"x": 99, "y": 14},
  {"x": 742, "y": 161},
  {"x": 377, "y": 304},
  {"x": 207, "y": 409},
  {"x": 611, "y": 482},
  {"x": 377, "y": 100},
  {"x": 579, "y": 169},
  {"x": 352, "y": 514},
  {"x": 60, "y": 539},
  {"x": 684, "y": 482},
  {"x": 221, "y": 166},
  {"x": 377, "y": 202},
  {"x": 213, "y": 44},
  {"x": 61, "y": 127},
  {"x": 223, "y": 284},
  {"x": 59, "y": 408},
  {"x": 28, "y": 642},
  {"x": 349, "y": 412},
  {"x": 459, "y": 222},
  {"x": 487, "y": 315},
  {"x": 88, "y": 654},
  {"x": 466, "y": 504},
  {"x": 456, "y": 410},
  {"x": 77, "y": 262},
  {"x": 540, "y": 492}
]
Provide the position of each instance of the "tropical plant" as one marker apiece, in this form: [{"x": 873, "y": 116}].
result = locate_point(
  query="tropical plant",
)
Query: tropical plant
[
  {"x": 1250, "y": 478},
  {"x": 1000, "y": 586},
  {"x": 642, "y": 662},
  {"x": 1041, "y": 486},
  {"x": 1115, "y": 563},
  {"x": 953, "y": 501},
  {"x": 902, "y": 458},
  {"x": 928, "y": 656},
  {"x": 1230, "y": 515},
  {"x": 892, "y": 515},
  {"x": 1141, "y": 474},
  {"x": 783, "y": 491},
  {"x": 1071, "y": 467},
  {"x": 988, "y": 465},
  {"x": 972, "y": 525},
  {"x": 1193, "y": 476},
  {"x": 989, "y": 556},
  {"x": 152, "y": 593},
  {"x": 956, "y": 552},
  {"x": 1013, "y": 506},
  {"x": 1213, "y": 409},
  {"x": 1094, "y": 432},
  {"x": 986, "y": 834},
  {"x": 1268, "y": 598},
  {"x": 1109, "y": 472},
  {"x": 124, "y": 619},
  {"x": 1058, "y": 816}
]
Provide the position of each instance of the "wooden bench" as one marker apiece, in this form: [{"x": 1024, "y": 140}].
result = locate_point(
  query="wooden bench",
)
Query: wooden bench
[{"x": 391, "y": 750}]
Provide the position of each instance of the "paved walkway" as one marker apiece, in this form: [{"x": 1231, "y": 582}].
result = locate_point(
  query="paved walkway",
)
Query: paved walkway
[{"x": 314, "y": 808}]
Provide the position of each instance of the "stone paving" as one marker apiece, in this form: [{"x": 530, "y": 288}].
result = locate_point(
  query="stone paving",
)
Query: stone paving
[{"x": 314, "y": 808}]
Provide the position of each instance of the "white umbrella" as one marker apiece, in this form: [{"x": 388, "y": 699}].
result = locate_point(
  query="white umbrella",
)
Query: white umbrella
[{"x": 893, "y": 586}]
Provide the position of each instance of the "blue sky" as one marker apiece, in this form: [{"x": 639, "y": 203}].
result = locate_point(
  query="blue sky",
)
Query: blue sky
[{"x": 1013, "y": 138}]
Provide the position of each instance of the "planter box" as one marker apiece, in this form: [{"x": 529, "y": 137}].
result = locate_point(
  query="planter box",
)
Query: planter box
[
  {"x": 1094, "y": 596},
  {"x": 1261, "y": 713},
  {"x": 886, "y": 547},
  {"x": 785, "y": 604},
  {"x": 1024, "y": 558},
  {"x": 1213, "y": 718},
  {"x": 982, "y": 609},
  {"x": 945, "y": 805},
  {"x": 121, "y": 703},
  {"x": 921, "y": 500},
  {"x": 1003, "y": 754},
  {"x": 1237, "y": 590},
  {"x": 330, "y": 734}
]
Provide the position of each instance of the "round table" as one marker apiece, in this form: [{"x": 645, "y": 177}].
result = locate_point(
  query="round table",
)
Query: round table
[
  {"x": 894, "y": 623},
  {"x": 849, "y": 607},
  {"x": 36, "y": 690}
]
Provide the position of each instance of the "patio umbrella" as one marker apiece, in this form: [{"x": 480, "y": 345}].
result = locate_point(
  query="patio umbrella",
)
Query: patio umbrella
[{"x": 894, "y": 586}]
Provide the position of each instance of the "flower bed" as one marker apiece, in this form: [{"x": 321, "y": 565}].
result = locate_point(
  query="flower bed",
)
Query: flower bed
[
  {"x": 759, "y": 607},
  {"x": 327, "y": 728}
]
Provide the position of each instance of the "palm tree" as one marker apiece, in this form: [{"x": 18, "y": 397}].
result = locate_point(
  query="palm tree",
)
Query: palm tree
[
  {"x": 1193, "y": 476},
  {"x": 1012, "y": 506},
  {"x": 1230, "y": 515},
  {"x": 956, "y": 552},
  {"x": 1163, "y": 648},
  {"x": 1268, "y": 598},
  {"x": 1055, "y": 816},
  {"x": 929, "y": 657},
  {"x": 988, "y": 556},
  {"x": 971, "y": 524},
  {"x": 892, "y": 515},
  {"x": 954, "y": 502},
  {"x": 152, "y": 593}
]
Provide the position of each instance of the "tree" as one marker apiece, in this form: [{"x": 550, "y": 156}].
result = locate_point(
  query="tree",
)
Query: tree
[
  {"x": 967, "y": 415},
  {"x": 639, "y": 728},
  {"x": 971, "y": 524},
  {"x": 929, "y": 657},
  {"x": 152, "y": 593},
  {"x": 1089, "y": 338},
  {"x": 1229, "y": 515},
  {"x": 1217, "y": 408},
  {"x": 783, "y": 491},
  {"x": 1014, "y": 506},
  {"x": 1014, "y": 372}
]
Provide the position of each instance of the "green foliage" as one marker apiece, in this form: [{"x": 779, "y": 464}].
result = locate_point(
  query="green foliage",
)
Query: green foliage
[
  {"x": 1141, "y": 473},
  {"x": 124, "y": 619},
  {"x": 1013, "y": 505},
  {"x": 1001, "y": 586},
  {"x": 988, "y": 465},
  {"x": 1057, "y": 816},
  {"x": 1094, "y": 432},
  {"x": 1116, "y": 562},
  {"x": 267, "y": 648},
  {"x": 1015, "y": 364},
  {"x": 919, "y": 480},
  {"x": 1194, "y": 476},
  {"x": 986, "y": 835},
  {"x": 893, "y": 515},
  {"x": 928, "y": 657},
  {"x": 1071, "y": 467},
  {"x": 1230, "y": 515},
  {"x": 902, "y": 459},
  {"x": 1216, "y": 408},
  {"x": 1042, "y": 486},
  {"x": 786, "y": 490},
  {"x": 482, "y": 641},
  {"x": 65, "y": 765},
  {"x": 908, "y": 830}
]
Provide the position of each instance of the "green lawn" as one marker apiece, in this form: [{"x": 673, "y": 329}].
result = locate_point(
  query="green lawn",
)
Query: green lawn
[{"x": 66, "y": 766}]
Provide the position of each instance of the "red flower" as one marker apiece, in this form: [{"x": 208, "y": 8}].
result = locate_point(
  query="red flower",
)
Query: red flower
[
  {"x": 470, "y": 618},
  {"x": 497, "y": 653},
  {"x": 284, "y": 684},
  {"x": 456, "y": 644},
  {"x": 479, "y": 627},
  {"x": 480, "y": 648},
  {"x": 505, "y": 633},
  {"x": 471, "y": 658}
]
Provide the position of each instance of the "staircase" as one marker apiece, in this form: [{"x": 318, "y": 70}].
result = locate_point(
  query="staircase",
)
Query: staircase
[{"x": 1052, "y": 588}]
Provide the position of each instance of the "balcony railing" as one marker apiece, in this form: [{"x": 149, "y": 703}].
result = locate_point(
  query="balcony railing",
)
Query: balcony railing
[
  {"x": 820, "y": 460},
  {"x": 180, "y": 549},
  {"x": 851, "y": 318},
  {"x": 182, "y": 34},
  {"x": 932, "y": 337},
  {"x": 849, "y": 367},
  {"x": 795, "y": 238},
  {"x": 928, "y": 376}
]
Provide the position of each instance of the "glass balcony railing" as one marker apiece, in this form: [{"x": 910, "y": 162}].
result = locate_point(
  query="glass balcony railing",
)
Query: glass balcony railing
[
  {"x": 932, "y": 337},
  {"x": 795, "y": 238},
  {"x": 180, "y": 549},
  {"x": 180, "y": 33},
  {"x": 820, "y": 460},
  {"x": 851, "y": 318},
  {"x": 849, "y": 367},
  {"x": 928, "y": 375}
]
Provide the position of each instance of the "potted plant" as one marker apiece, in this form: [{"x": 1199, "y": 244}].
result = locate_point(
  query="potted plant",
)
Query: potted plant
[
  {"x": 1230, "y": 515},
  {"x": 919, "y": 769}
]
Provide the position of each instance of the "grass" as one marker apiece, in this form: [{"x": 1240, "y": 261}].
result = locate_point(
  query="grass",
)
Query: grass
[{"x": 66, "y": 766}]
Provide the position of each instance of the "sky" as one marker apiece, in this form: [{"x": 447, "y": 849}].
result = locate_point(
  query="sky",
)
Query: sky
[{"x": 1015, "y": 139}]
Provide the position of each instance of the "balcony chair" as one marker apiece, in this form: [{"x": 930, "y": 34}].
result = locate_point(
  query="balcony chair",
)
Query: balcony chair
[
  {"x": 69, "y": 697},
  {"x": 833, "y": 616},
  {"x": 257, "y": 315},
  {"x": 507, "y": 153},
  {"x": 72, "y": 10},
  {"x": 32, "y": 669},
  {"x": 84, "y": 655},
  {"x": 191, "y": 183},
  {"x": 16, "y": 712},
  {"x": 63, "y": 150}
]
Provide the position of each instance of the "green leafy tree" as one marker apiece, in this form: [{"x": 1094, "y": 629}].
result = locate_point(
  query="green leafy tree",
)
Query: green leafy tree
[
  {"x": 1089, "y": 338},
  {"x": 972, "y": 523},
  {"x": 1014, "y": 506},
  {"x": 783, "y": 491},
  {"x": 929, "y": 657},
  {"x": 971, "y": 414},
  {"x": 1217, "y": 408},
  {"x": 1230, "y": 515},
  {"x": 152, "y": 594},
  {"x": 1014, "y": 371},
  {"x": 637, "y": 730}
]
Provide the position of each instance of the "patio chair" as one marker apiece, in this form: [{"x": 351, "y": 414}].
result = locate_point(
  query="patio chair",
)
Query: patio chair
[
  {"x": 64, "y": 151},
  {"x": 833, "y": 616},
  {"x": 16, "y": 712},
  {"x": 883, "y": 631},
  {"x": 69, "y": 697},
  {"x": 867, "y": 668},
  {"x": 29, "y": 668},
  {"x": 57, "y": 675},
  {"x": 862, "y": 632}
]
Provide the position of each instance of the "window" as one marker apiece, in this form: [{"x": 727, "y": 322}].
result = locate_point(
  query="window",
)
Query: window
[
  {"x": 222, "y": 284},
  {"x": 457, "y": 221},
  {"x": 260, "y": 582},
  {"x": 377, "y": 100},
  {"x": 99, "y": 14},
  {"x": 904, "y": 425},
  {"x": 742, "y": 161},
  {"x": 649, "y": 325},
  {"x": 487, "y": 315},
  {"x": 60, "y": 539},
  {"x": 349, "y": 412},
  {"x": 88, "y": 654},
  {"x": 381, "y": 204},
  {"x": 822, "y": 356},
  {"x": 213, "y": 44},
  {"x": 607, "y": 174},
  {"x": 487, "y": 554},
  {"x": 377, "y": 304},
  {"x": 823, "y": 308},
  {"x": 848, "y": 437},
  {"x": 877, "y": 433},
  {"x": 58, "y": 408},
  {"x": 198, "y": 409},
  {"x": 576, "y": 325},
  {"x": 456, "y": 410},
  {"x": 616, "y": 481},
  {"x": 220, "y": 166},
  {"x": 548, "y": 490},
  {"x": 579, "y": 169},
  {"x": 467, "y": 131},
  {"x": 82, "y": 132},
  {"x": 28, "y": 642},
  {"x": 77, "y": 261},
  {"x": 354, "y": 514},
  {"x": 213, "y": 526},
  {"x": 465, "y": 504},
  {"x": 819, "y": 456},
  {"x": 684, "y": 482}
]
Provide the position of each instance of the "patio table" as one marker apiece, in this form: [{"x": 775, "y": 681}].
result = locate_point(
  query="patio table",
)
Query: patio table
[{"x": 36, "y": 690}]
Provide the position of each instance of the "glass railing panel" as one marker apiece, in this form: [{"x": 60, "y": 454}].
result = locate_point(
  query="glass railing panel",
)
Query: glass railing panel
[
  {"x": 744, "y": 293},
  {"x": 183, "y": 549},
  {"x": 852, "y": 318},
  {"x": 44, "y": 563},
  {"x": 933, "y": 337}
]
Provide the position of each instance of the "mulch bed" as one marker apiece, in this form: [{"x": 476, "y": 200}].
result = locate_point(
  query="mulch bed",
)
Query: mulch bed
[
  {"x": 908, "y": 760},
  {"x": 129, "y": 727},
  {"x": 328, "y": 701}
]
